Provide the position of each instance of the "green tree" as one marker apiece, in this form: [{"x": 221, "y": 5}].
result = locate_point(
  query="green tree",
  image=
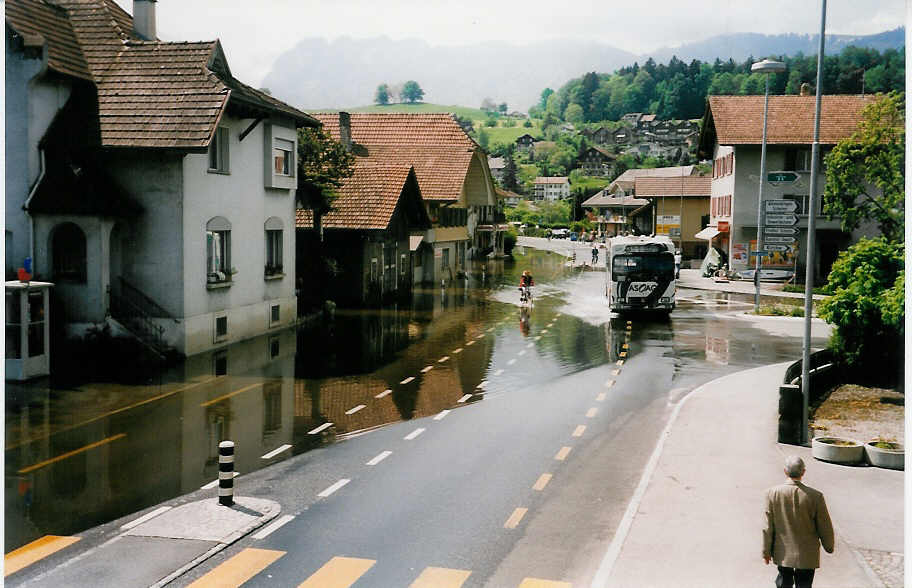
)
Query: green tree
[
  {"x": 866, "y": 308},
  {"x": 574, "y": 113},
  {"x": 411, "y": 92},
  {"x": 543, "y": 101},
  {"x": 510, "y": 171},
  {"x": 484, "y": 139},
  {"x": 866, "y": 172},
  {"x": 382, "y": 96},
  {"x": 323, "y": 165},
  {"x": 502, "y": 108}
]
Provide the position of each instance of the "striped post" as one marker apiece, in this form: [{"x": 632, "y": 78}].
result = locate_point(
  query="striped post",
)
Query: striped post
[{"x": 226, "y": 473}]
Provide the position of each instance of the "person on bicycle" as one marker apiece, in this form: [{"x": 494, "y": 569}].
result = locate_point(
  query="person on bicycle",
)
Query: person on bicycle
[{"x": 525, "y": 285}]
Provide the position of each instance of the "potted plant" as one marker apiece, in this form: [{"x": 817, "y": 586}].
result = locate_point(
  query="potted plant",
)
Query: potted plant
[
  {"x": 837, "y": 450},
  {"x": 885, "y": 453}
]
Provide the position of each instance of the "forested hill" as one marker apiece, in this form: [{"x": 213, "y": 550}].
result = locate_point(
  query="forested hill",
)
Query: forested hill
[
  {"x": 678, "y": 90},
  {"x": 740, "y": 46}
]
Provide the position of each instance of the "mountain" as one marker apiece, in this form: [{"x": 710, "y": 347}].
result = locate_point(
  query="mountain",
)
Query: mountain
[
  {"x": 317, "y": 73},
  {"x": 740, "y": 46},
  {"x": 320, "y": 74}
]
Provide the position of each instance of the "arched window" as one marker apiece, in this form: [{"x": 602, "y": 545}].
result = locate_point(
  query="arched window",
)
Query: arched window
[
  {"x": 68, "y": 254},
  {"x": 273, "y": 228},
  {"x": 218, "y": 250}
]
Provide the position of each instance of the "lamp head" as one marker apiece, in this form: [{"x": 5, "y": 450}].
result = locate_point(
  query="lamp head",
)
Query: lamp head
[{"x": 768, "y": 66}]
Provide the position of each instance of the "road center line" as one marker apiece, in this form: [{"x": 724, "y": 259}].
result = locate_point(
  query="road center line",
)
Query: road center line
[
  {"x": 274, "y": 526},
  {"x": 426, "y": 369},
  {"x": 498, "y": 372},
  {"x": 514, "y": 519},
  {"x": 523, "y": 352},
  {"x": 214, "y": 483},
  {"x": 600, "y": 397},
  {"x": 413, "y": 434},
  {"x": 511, "y": 362},
  {"x": 542, "y": 482},
  {"x": 609, "y": 383},
  {"x": 530, "y": 345},
  {"x": 620, "y": 362},
  {"x": 334, "y": 487},
  {"x": 563, "y": 453},
  {"x": 355, "y": 409},
  {"x": 276, "y": 451},
  {"x": 63, "y": 456},
  {"x": 591, "y": 412},
  {"x": 384, "y": 393},
  {"x": 615, "y": 372},
  {"x": 443, "y": 359},
  {"x": 441, "y": 415},
  {"x": 145, "y": 517},
  {"x": 407, "y": 380},
  {"x": 459, "y": 350},
  {"x": 230, "y": 394},
  {"x": 464, "y": 398},
  {"x": 580, "y": 429},
  {"x": 482, "y": 384},
  {"x": 470, "y": 343},
  {"x": 383, "y": 455},
  {"x": 319, "y": 429}
]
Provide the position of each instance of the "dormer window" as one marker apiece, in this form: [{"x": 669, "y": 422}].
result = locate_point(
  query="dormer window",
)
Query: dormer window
[{"x": 218, "y": 151}]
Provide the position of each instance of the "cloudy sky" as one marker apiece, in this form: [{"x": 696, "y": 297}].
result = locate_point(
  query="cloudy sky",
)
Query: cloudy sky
[{"x": 255, "y": 32}]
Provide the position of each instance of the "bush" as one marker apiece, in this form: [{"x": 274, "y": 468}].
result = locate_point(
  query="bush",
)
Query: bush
[
  {"x": 528, "y": 124},
  {"x": 867, "y": 311}
]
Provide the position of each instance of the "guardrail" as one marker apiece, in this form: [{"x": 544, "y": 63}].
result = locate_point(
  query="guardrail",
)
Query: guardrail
[{"x": 822, "y": 376}]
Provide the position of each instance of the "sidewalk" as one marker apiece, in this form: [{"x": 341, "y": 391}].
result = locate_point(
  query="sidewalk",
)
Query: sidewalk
[{"x": 696, "y": 519}]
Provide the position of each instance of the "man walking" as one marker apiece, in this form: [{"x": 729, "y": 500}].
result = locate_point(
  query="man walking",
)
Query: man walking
[{"x": 797, "y": 524}]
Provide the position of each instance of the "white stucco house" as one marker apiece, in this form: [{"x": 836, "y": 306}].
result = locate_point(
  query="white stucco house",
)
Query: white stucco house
[
  {"x": 551, "y": 188},
  {"x": 146, "y": 182}
]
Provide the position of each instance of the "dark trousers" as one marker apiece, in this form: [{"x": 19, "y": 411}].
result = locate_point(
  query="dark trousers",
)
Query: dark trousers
[{"x": 794, "y": 578}]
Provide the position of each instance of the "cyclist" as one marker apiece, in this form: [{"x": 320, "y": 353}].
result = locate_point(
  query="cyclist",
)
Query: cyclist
[{"x": 525, "y": 286}]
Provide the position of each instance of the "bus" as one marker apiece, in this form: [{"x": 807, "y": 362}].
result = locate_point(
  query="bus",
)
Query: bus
[{"x": 641, "y": 274}]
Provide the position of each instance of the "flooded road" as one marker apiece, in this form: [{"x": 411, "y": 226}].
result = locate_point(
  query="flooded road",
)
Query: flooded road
[{"x": 82, "y": 456}]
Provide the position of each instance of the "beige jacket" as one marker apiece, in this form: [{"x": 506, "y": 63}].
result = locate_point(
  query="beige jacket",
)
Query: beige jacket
[{"x": 797, "y": 524}]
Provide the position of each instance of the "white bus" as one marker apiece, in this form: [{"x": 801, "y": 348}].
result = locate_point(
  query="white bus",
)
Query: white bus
[{"x": 641, "y": 274}]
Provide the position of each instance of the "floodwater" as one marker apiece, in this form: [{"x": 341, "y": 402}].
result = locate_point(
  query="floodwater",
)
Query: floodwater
[{"x": 89, "y": 454}]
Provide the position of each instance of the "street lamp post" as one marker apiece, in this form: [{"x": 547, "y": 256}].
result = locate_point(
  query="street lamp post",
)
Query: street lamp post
[{"x": 765, "y": 67}]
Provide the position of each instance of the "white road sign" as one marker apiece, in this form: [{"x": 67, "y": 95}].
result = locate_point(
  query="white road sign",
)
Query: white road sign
[
  {"x": 781, "y": 220},
  {"x": 778, "y": 239},
  {"x": 780, "y": 206},
  {"x": 791, "y": 231},
  {"x": 780, "y": 248}
]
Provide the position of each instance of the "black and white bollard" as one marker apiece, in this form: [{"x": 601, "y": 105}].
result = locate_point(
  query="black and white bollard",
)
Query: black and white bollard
[{"x": 226, "y": 473}]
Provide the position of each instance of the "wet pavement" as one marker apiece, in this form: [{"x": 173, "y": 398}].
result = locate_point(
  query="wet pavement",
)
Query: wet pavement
[{"x": 91, "y": 453}]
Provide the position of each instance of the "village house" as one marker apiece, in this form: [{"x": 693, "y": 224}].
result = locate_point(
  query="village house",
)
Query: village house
[
  {"x": 368, "y": 233},
  {"x": 731, "y": 136},
  {"x": 453, "y": 176},
  {"x": 599, "y": 136},
  {"x": 551, "y": 188},
  {"x": 597, "y": 161},
  {"x": 497, "y": 165},
  {"x": 525, "y": 142},
  {"x": 509, "y": 198},
  {"x": 680, "y": 209},
  {"x": 152, "y": 187},
  {"x": 617, "y": 214}
]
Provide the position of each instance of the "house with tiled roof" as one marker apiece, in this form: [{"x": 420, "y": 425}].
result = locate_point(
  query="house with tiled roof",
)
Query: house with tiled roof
[
  {"x": 453, "y": 176},
  {"x": 731, "y": 135},
  {"x": 680, "y": 209},
  {"x": 152, "y": 187},
  {"x": 368, "y": 233},
  {"x": 597, "y": 161},
  {"x": 618, "y": 214}
]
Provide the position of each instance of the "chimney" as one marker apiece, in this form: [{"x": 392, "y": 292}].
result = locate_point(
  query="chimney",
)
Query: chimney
[
  {"x": 345, "y": 130},
  {"x": 144, "y": 19}
]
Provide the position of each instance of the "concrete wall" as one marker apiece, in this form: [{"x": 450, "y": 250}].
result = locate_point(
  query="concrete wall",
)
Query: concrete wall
[
  {"x": 241, "y": 197},
  {"x": 31, "y": 103}
]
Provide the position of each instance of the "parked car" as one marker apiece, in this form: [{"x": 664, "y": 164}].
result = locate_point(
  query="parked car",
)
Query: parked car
[{"x": 560, "y": 233}]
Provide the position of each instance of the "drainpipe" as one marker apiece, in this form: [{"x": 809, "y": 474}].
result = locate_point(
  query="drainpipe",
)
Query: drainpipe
[{"x": 25, "y": 207}]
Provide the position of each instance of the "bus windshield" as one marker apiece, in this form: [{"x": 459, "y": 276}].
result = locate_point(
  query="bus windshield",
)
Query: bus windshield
[{"x": 655, "y": 264}]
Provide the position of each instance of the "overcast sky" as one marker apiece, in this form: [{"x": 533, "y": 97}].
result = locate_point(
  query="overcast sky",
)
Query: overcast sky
[{"x": 254, "y": 32}]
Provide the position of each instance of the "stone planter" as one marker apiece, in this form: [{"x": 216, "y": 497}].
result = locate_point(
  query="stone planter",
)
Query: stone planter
[
  {"x": 893, "y": 458},
  {"x": 837, "y": 450}
]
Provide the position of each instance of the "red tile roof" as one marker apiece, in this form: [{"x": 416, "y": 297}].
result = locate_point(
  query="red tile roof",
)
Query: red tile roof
[
  {"x": 367, "y": 199},
  {"x": 627, "y": 179},
  {"x": 150, "y": 93},
  {"x": 738, "y": 120},
  {"x": 670, "y": 186},
  {"x": 434, "y": 144}
]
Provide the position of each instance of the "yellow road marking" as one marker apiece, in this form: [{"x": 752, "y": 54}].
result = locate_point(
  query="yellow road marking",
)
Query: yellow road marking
[
  {"x": 622, "y": 354},
  {"x": 514, "y": 519},
  {"x": 239, "y": 568},
  {"x": 440, "y": 577},
  {"x": 563, "y": 453},
  {"x": 537, "y": 583},
  {"x": 230, "y": 394},
  {"x": 38, "y": 549},
  {"x": 591, "y": 412},
  {"x": 625, "y": 346},
  {"x": 119, "y": 410},
  {"x": 578, "y": 432},
  {"x": 542, "y": 482},
  {"x": 339, "y": 572},
  {"x": 600, "y": 397},
  {"x": 62, "y": 456}
]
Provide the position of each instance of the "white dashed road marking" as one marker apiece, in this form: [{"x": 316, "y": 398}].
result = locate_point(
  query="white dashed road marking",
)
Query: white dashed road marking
[
  {"x": 275, "y": 452},
  {"x": 413, "y": 434},
  {"x": 379, "y": 458},
  {"x": 334, "y": 487},
  {"x": 319, "y": 429},
  {"x": 384, "y": 393},
  {"x": 355, "y": 409}
]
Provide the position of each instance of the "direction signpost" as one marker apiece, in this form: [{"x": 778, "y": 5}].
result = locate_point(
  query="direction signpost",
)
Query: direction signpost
[
  {"x": 779, "y": 239},
  {"x": 780, "y": 206},
  {"x": 781, "y": 220},
  {"x": 785, "y": 231},
  {"x": 782, "y": 177}
]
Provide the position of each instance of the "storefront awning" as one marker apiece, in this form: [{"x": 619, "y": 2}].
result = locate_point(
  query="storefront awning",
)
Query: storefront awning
[
  {"x": 708, "y": 233},
  {"x": 415, "y": 241}
]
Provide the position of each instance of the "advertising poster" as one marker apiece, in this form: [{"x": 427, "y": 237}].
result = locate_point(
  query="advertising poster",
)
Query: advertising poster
[
  {"x": 781, "y": 255},
  {"x": 668, "y": 224},
  {"x": 739, "y": 257}
]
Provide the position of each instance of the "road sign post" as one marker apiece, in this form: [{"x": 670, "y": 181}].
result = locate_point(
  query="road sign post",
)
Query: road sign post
[{"x": 782, "y": 177}]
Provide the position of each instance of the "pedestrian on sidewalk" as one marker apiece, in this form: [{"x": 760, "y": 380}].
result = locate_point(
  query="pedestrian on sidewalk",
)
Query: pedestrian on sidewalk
[
  {"x": 797, "y": 524},
  {"x": 594, "y": 254}
]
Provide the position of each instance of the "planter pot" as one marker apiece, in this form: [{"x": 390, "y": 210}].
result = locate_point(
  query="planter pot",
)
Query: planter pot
[
  {"x": 837, "y": 450},
  {"x": 893, "y": 458}
]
